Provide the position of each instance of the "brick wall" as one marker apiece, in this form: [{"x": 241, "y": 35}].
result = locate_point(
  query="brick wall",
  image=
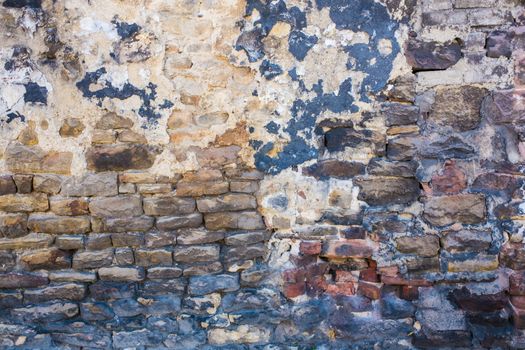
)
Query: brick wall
[{"x": 252, "y": 174}]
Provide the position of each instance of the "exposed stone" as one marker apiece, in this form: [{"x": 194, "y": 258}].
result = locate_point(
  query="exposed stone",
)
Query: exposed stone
[
  {"x": 450, "y": 147},
  {"x": 30, "y": 241},
  {"x": 47, "y": 183},
  {"x": 342, "y": 249},
  {"x": 13, "y": 225},
  {"x": 103, "y": 184},
  {"x": 92, "y": 259},
  {"x": 400, "y": 114},
  {"x": 196, "y": 189},
  {"x": 131, "y": 136},
  {"x": 96, "y": 311},
  {"x": 458, "y": 107},
  {"x": 196, "y": 253},
  {"x": 431, "y": 55},
  {"x": 98, "y": 241},
  {"x": 241, "y": 334},
  {"x": 69, "y": 242},
  {"x": 24, "y": 159},
  {"x": 237, "y": 221},
  {"x": 121, "y": 157},
  {"x": 386, "y": 190},
  {"x": 203, "y": 269},
  {"x": 168, "y": 223},
  {"x": 68, "y": 206},
  {"x": 420, "y": 245},
  {"x": 48, "y": 223},
  {"x": 127, "y": 239},
  {"x": 247, "y": 252},
  {"x": 164, "y": 272},
  {"x": 450, "y": 180},
  {"x": 7, "y": 185},
  {"x": 146, "y": 257},
  {"x": 462, "y": 208},
  {"x": 382, "y": 167},
  {"x": 140, "y": 337},
  {"x": 478, "y": 263},
  {"x": 24, "y": 202},
  {"x": 14, "y": 280},
  {"x": 201, "y": 285},
  {"x": 123, "y": 257},
  {"x": 244, "y": 238},
  {"x": 119, "y": 206},
  {"x": 404, "y": 88},
  {"x": 503, "y": 107},
  {"x": 466, "y": 240},
  {"x": 24, "y": 183},
  {"x": 167, "y": 205},
  {"x": 339, "y": 139},
  {"x": 72, "y": 276},
  {"x": 66, "y": 291},
  {"x": 499, "y": 44},
  {"x": 71, "y": 127},
  {"x": 50, "y": 259},
  {"x": 113, "y": 121},
  {"x": 160, "y": 239},
  {"x": 185, "y": 237},
  {"x": 127, "y": 224},
  {"x": 401, "y": 148},
  {"x": 154, "y": 188},
  {"x": 244, "y": 186},
  {"x": 227, "y": 202},
  {"x": 47, "y": 312},
  {"x": 331, "y": 168},
  {"x": 121, "y": 274}
]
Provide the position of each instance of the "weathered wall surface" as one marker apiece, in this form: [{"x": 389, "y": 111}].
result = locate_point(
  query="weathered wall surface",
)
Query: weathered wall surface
[{"x": 252, "y": 174}]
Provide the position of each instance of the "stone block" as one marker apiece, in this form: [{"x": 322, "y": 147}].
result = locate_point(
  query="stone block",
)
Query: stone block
[
  {"x": 92, "y": 259},
  {"x": 24, "y": 202},
  {"x": 461, "y": 208},
  {"x": 152, "y": 257},
  {"x": 419, "y": 245},
  {"x": 119, "y": 206},
  {"x": 202, "y": 285},
  {"x": 198, "y": 236},
  {"x": 227, "y": 202},
  {"x": 168, "y": 205},
  {"x": 101, "y": 184},
  {"x": 13, "y": 225},
  {"x": 168, "y": 223},
  {"x": 236, "y": 221},
  {"x": 121, "y": 274},
  {"x": 191, "y": 254},
  {"x": 49, "y": 223}
]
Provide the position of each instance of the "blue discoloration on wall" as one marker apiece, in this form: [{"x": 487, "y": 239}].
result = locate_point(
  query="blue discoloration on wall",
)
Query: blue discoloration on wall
[
  {"x": 13, "y": 116},
  {"x": 126, "y": 30},
  {"x": 35, "y": 93},
  {"x": 22, "y": 3},
  {"x": 299, "y": 44},
  {"x": 272, "y": 127},
  {"x": 148, "y": 95},
  {"x": 356, "y": 15},
  {"x": 270, "y": 70}
]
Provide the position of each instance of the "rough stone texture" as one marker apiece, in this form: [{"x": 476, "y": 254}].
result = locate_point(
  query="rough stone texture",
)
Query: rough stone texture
[{"x": 253, "y": 174}]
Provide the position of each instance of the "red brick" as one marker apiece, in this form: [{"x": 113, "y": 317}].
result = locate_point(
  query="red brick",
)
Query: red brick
[
  {"x": 409, "y": 292},
  {"x": 310, "y": 247},
  {"x": 370, "y": 289},
  {"x": 369, "y": 275},
  {"x": 343, "y": 249},
  {"x": 518, "y": 317},
  {"x": 518, "y": 301},
  {"x": 450, "y": 180},
  {"x": 292, "y": 290},
  {"x": 293, "y": 275},
  {"x": 346, "y": 276},
  {"x": 341, "y": 288},
  {"x": 400, "y": 281},
  {"x": 517, "y": 283}
]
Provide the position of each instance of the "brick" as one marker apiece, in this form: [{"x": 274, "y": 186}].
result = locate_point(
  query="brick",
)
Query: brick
[
  {"x": 227, "y": 202},
  {"x": 168, "y": 223},
  {"x": 310, "y": 247},
  {"x": 167, "y": 205},
  {"x": 119, "y": 206},
  {"x": 69, "y": 206},
  {"x": 190, "y": 254},
  {"x": 237, "y": 221},
  {"x": 48, "y": 223},
  {"x": 343, "y": 249},
  {"x": 121, "y": 274},
  {"x": 24, "y": 202},
  {"x": 102, "y": 184}
]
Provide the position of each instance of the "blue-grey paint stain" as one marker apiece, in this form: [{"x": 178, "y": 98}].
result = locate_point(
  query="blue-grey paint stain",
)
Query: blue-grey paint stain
[
  {"x": 270, "y": 70},
  {"x": 147, "y": 95},
  {"x": 126, "y": 30},
  {"x": 279, "y": 202},
  {"x": 14, "y": 115},
  {"x": 299, "y": 44},
  {"x": 357, "y": 15},
  {"x": 22, "y": 3},
  {"x": 272, "y": 127},
  {"x": 35, "y": 93}
]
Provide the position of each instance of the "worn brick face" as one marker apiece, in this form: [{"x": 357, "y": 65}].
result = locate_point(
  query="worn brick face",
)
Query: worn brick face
[{"x": 262, "y": 174}]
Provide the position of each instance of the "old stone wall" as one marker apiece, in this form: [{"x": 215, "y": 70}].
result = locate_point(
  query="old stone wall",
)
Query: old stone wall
[{"x": 256, "y": 174}]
